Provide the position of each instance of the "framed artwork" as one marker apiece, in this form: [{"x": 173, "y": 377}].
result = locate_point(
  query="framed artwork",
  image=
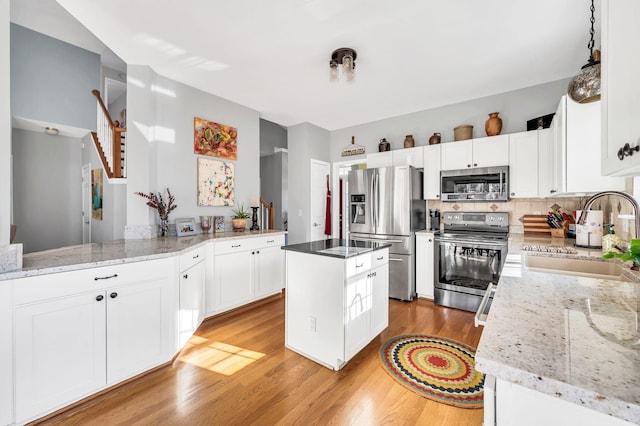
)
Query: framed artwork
[
  {"x": 185, "y": 226},
  {"x": 218, "y": 224},
  {"x": 215, "y": 139},
  {"x": 96, "y": 194},
  {"x": 215, "y": 183}
]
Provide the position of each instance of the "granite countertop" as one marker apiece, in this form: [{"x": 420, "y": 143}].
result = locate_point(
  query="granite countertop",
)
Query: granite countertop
[
  {"x": 336, "y": 247},
  {"x": 84, "y": 256},
  {"x": 568, "y": 336}
]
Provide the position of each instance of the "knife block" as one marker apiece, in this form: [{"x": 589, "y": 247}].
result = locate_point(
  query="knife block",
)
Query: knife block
[{"x": 560, "y": 232}]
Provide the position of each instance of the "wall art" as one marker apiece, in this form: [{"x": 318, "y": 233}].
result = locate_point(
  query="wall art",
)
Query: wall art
[
  {"x": 218, "y": 224},
  {"x": 215, "y": 183},
  {"x": 96, "y": 194},
  {"x": 215, "y": 139}
]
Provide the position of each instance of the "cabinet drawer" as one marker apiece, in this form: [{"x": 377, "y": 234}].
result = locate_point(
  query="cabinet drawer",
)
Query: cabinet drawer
[
  {"x": 235, "y": 245},
  {"x": 379, "y": 257},
  {"x": 49, "y": 286},
  {"x": 273, "y": 240},
  {"x": 357, "y": 265},
  {"x": 187, "y": 260}
]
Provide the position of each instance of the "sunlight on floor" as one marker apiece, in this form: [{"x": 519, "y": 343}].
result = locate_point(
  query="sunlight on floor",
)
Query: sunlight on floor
[{"x": 221, "y": 358}]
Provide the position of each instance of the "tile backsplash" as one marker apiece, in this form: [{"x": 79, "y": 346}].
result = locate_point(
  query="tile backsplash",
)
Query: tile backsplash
[{"x": 624, "y": 226}]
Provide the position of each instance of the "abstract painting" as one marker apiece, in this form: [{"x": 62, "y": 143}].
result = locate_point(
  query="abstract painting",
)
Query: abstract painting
[
  {"x": 96, "y": 194},
  {"x": 215, "y": 139},
  {"x": 215, "y": 183}
]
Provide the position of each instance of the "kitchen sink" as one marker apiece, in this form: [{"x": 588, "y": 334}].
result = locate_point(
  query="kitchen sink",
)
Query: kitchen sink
[{"x": 579, "y": 267}]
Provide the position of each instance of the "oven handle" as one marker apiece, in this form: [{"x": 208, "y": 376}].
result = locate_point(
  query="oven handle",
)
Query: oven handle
[
  {"x": 470, "y": 241},
  {"x": 480, "y": 317},
  {"x": 375, "y": 240}
]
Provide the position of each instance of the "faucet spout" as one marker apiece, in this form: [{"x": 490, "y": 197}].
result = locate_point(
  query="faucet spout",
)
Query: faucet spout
[{"x": 636, "y": 208}]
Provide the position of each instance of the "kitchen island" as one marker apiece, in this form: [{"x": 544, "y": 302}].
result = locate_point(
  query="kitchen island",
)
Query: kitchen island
[
  {"x": 563, "y": 348},
  {"x": 337, "y": 295}
]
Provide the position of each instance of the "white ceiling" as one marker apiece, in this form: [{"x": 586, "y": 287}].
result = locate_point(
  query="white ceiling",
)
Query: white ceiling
[{"x": 273, "y": 56}]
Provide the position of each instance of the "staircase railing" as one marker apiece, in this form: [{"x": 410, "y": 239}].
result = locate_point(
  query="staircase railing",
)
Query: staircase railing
[
  {"x": 270, "y": 219},
  {"x": 109, "y": 140}
]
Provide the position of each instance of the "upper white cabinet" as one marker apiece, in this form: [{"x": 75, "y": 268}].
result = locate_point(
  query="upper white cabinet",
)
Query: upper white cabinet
[
  {"x": 620, "y": 87},
  {"x": 482, "y": 152},
  {"x": 523, "y": 164},
  {"x": 575, "y": 150},
  {"x": 431, "y": 172},
  {"x": 379, "y": 159},
  {"x": 408, "y": 157}
]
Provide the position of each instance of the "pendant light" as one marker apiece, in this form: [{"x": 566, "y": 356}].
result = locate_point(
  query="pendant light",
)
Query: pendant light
[{"x": 585, "y": 87}]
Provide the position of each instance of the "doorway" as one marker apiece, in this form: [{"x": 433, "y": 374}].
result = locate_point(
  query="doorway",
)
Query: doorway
[
  {"x": 86, "y": 203},
  {"x": 318, "y": 209}
]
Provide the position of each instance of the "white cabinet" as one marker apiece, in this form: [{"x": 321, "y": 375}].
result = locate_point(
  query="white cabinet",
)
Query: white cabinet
[
  {"x": 523, "y": 164},
  {"x": 335, "y": 306},
  {"x": 424, "y": 264},
  {"x": 245, "y": 270},
  {"x": 408, "y": 157},
  {"x": 192, "y": 293},
  {"x": 620, "y": 88},
  {"x": 576, "y": 150},
  {"x": 78, "y": 332},
  {"x": 431, "y": 172},
  {"x": 379, "y": 159},
  {"x": 6, "y": 353},
  {"x": 482, "y": 152}
]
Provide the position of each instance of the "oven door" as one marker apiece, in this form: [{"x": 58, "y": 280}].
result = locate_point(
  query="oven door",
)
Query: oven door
[
  {"x": 485, "y": 305},
  {"x": 464, "y": 268}
]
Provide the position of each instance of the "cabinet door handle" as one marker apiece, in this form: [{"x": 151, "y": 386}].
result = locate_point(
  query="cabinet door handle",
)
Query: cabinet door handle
[
  {"x": 113, "y": 295},
  {"x": 468, "y": 165},
  {"x": 185, "y": 276},
  {"x": 99, "y": 298},
  {"x": 475, "y": 164},
  {"x": 553, "y": 191},
  {"x": 437, "y": 195},
  {"x": 258, "y": 252},
  {"x": 429, "y": 240},
  {"x": 196, "y": 256},
  {"x": 253, "y": 252},
  {"x": 232, "y": 246},
  {"x": 513, "y": 193},
  {"x": 105, "y": 278},
  {"x": 373, "y": 274}
]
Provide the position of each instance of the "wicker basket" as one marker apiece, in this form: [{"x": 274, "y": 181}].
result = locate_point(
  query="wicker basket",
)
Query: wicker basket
[{"x": 463, "y": 132}]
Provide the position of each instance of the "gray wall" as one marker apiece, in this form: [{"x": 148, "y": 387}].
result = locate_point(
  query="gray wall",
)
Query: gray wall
[
  {"x": 272, "y": 136},
  {"x": 515, "y": 108},
  {"x": 163, "y": 121},
  {"x": 273, "y": 185},
  {"x": 47, "y": 200},
  {"x": 52, "y": 80},
  {"x": 305, "y": 142}
]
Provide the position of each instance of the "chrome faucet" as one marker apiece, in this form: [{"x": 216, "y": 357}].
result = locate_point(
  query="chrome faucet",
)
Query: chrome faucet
[{"x": 636, "y": 208}]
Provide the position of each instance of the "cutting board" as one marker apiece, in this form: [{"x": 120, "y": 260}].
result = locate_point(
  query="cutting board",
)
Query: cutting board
[{"x": 536, "y": 224}]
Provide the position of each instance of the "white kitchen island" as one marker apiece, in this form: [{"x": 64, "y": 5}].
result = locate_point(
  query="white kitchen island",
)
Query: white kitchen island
[{"x": 337, "y": 295}]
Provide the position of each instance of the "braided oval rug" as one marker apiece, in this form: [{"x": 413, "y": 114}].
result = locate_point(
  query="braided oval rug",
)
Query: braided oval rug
[{"x": 436, "y": 368}]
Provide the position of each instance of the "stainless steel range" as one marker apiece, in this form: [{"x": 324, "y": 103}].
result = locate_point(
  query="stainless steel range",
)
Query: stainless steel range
[{"x": 469, "y": 255}]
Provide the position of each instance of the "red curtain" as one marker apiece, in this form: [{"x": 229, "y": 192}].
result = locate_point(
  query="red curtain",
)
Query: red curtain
[{"x": 327, "y": 221}]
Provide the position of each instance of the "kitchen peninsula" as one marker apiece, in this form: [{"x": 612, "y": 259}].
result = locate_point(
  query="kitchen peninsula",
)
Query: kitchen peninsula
[
  {"x": 336, "y": 299},
  {"x": 79, "y": 320}
]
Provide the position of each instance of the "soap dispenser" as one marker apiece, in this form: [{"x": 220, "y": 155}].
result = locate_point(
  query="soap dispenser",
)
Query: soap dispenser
[{"x": 610, "y": 241}]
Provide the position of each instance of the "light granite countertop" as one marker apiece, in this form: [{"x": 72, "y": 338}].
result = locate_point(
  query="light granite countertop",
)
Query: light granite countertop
[
  {"x": 116, "y": 252},
  {"x": 572, "y": 337}
]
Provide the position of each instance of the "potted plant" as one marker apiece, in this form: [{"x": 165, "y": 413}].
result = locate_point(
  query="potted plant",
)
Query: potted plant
[
  {"x": 239, "y": 218},
  {"x": 157, "y": 202}
]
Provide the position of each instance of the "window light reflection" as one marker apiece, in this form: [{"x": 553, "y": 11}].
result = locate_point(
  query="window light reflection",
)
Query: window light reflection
[{"x": 221, "y": 358}]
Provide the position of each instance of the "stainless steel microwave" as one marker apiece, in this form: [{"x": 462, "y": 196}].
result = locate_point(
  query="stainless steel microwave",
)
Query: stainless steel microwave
[{"x": 475, "y": 184}]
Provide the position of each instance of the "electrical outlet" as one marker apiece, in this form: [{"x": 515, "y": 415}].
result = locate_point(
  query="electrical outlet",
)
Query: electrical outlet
[{"x": 312, "y": 323}]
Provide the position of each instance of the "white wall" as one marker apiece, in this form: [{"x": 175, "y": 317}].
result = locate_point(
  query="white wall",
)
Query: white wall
[
  {"x": 160, "y": 133},
  {"x": 5, "y": 124},
  {"x": 515, "y": 108},
  {"x": 305, "y": 142},
  {"x": 47, "y": 199}
]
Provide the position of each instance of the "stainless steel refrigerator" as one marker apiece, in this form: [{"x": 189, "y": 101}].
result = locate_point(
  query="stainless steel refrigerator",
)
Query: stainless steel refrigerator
[{"x": 386, "y": 204}]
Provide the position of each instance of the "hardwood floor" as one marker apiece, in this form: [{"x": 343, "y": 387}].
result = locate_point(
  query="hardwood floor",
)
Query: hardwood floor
[{"x": 236, "y": 370}]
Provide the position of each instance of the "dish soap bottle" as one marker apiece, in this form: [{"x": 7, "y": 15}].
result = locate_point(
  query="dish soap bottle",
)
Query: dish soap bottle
[{"x": 610, "y": 241}]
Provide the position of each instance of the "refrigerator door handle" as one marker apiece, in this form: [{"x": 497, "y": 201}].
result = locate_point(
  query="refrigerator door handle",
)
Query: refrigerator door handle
[
  {"x": 372, "y": 203},
  {"x": 377, "y": 199}
]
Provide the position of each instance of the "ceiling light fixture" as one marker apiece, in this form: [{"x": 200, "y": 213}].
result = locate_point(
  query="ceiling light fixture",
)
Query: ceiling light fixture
[
  {"x": 585, "y": 87},
  {"x": 51, "y": 131},
  {"x": 347, "y": 58}
]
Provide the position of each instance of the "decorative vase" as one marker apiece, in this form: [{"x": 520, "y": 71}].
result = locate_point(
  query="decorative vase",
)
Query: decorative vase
[
  {"x": 164, "y": 228},
  {"x": 493, "y": 126},
  {"x": 239, "y": 224},
  {"x": 205, "y": 224},
  {"x": 384, "y": 145},
  {"x": 409, "y": 142},
  {"x": 435, "y": 139}
]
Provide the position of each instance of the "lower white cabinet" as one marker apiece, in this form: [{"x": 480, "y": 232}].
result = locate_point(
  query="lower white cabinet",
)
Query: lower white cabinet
[
  {"x": 191, "y": 293},
  {"x": 335, "y": 306},
  {"x": 103, "y": 326},
  {"x": 424, "y": 264},
  {"x": 245, "y": 270},
  {"x": 6, "y": 353}
]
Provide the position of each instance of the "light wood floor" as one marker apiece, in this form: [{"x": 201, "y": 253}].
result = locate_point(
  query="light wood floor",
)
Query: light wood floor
[{"x": 237, "y": 371}]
